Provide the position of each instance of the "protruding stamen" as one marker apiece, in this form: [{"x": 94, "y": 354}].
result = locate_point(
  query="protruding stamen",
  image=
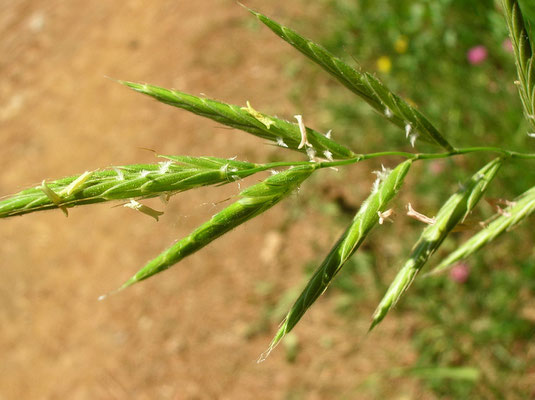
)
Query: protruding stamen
[
  {"x": 120, "y": 176},
  {"x": 303, "y": 130},
  {"x": 328, "y": 155},
  {"x": 77, "y": 184},
  {"x": 311, "y": 153},
  {"x": 164, "y": 166},
  {"x": 260, "y": 117},
  {"x": 281, "y": 143},
  {"x": 420, "y": 217},
  {"x": 413, "y": 138},
  {"x": 408, "y": 130},
  {"x": 385, "y": 216},
  {"x": 54, "y": 197},
  {"x": 151, "y": 212}
]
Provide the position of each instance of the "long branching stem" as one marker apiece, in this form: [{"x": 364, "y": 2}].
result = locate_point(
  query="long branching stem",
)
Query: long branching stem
[{"x": 420, "y": 156}]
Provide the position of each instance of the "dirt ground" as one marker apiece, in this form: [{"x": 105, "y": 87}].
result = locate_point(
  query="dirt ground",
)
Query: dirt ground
[{"x": 188, "y": 333}]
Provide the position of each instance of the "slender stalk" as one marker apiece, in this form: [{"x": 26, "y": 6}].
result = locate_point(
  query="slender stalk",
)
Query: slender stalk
[
  {"x": 427, "y": 156},
  {"x": 143, "y": 181}
]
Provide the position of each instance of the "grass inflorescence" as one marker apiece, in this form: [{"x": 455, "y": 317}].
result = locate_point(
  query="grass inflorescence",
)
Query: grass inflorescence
[
  {"x": 524, "y": 58},
  {"x": 175, "y": 174}
]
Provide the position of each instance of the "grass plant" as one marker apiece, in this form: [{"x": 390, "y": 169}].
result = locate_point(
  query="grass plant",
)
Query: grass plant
[{"x": 176, "y": 174}]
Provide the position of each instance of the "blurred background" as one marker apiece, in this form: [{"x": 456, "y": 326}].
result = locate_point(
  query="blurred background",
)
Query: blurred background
[{"x": 196, "y": 331}]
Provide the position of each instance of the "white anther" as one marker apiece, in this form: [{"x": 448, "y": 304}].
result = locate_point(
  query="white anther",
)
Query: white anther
[
  {"x": 120, "y": 176},
  {"x": 420, "y": 217},
  {"x": 388, "y": 112},
  {"x": 412, "y": 139},
  {"x": 281, "y": 143},
  {"x": 408, "y": 130},
  {"x": 382, "y": 175},
  {"x": 329, "y": 134},
  {"x": 164, "y": 166},
  {"x": 304, "y": 140},
  {"x": 151, "y": 212},
  {"x": 144, "y": 173},
  {"x": 328, "y": 155},
  {"x": 384, "y": 216},
  {"x": 311, "y": 153}
]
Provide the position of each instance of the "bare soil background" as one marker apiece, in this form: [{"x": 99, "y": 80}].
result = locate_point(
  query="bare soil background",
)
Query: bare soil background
[{"x": 188, "y": 333}]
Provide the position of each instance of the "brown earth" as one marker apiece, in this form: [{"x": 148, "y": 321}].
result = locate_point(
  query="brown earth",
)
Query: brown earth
[{"x": 195, "y": 331}]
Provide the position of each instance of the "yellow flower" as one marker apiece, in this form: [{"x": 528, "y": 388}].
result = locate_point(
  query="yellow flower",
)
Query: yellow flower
[
  {"x": 401, "y": 44},
  {"x": 384, "y": 64}
]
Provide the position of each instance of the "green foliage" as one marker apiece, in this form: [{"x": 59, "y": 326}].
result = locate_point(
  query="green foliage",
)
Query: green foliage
[{"x": 481, "y": 322}]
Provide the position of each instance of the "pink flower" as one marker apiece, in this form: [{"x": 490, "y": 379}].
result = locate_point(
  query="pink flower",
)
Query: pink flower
[
  {"x": 460, "y": 272},
  {"x": 476, "y": 55},
  {"x": 507, "y": 45},
  {"x": 436, "y": 166}
]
